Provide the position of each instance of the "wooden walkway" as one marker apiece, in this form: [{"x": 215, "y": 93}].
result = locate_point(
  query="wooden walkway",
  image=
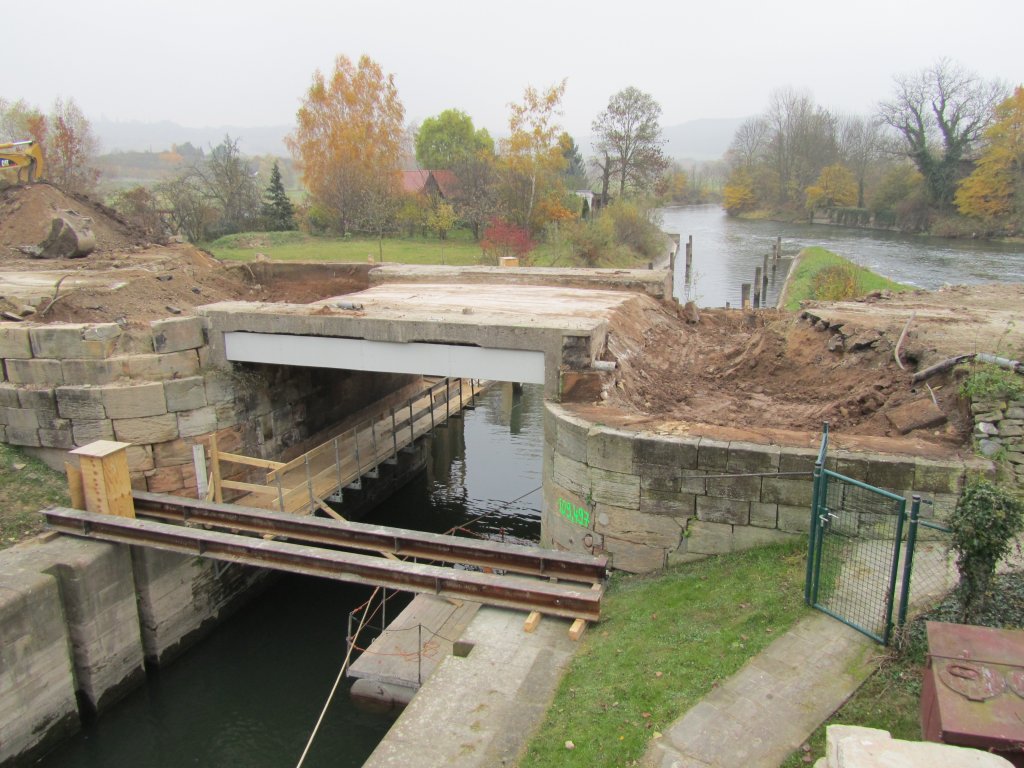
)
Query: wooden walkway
[{"x": 302, "y": 484}]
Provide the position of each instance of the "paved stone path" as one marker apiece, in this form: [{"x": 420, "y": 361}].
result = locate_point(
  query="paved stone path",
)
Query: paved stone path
[{"x": 771, "y": 706}]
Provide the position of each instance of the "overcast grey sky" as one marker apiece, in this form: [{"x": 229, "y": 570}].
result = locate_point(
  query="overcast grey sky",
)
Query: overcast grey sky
[{"x": 214, "y": 63}]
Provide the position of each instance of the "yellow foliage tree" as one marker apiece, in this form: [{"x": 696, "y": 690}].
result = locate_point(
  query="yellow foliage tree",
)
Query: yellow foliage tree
[
  {"x": 836, "y": 185},
  {"x": 531, "y": 160},
  {"x": 348, "y": 142},
  {"x": 738, "y": 195},
  {"x": 995, "y": 190}
]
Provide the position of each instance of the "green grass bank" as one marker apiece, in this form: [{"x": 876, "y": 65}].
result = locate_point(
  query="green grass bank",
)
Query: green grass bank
[
  {"x": 26, "y": 486},
  {"x": 460, "y": 249},
  {"x": 822, "y": 275},
  {"x": 662, "y": 644}
]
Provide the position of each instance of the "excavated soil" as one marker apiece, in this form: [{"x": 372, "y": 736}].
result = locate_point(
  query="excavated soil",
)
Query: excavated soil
[
  {"x": 126, "y": 278},
  {"x": 776, "y": 376},
  {"x": 763, "y": 375}
]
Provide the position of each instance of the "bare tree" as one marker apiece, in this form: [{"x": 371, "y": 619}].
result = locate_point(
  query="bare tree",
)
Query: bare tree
[
  {"x": 802, "y": 141},
  {"x": 226, "y": 179},
  {"x": 628, "y": 132},
  {"x": 861, "y": 145},
  {"x": 941, "y": 113},
  {"x": 750, "y": 142}
]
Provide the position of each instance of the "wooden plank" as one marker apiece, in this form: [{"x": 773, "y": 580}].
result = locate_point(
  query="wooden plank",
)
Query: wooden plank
[
  {"x": 531, "y": 621},
  {"x": 579, "y": 626},
  {"x": 75, "y": 490},
  {"x": 250, "y": 461},
  {"x": 238, "y": 485},
  {"x": 215, "y": 468}
]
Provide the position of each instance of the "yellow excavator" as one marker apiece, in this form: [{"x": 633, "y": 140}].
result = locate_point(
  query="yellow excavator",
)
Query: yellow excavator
[{"x": 18, "y": 156}]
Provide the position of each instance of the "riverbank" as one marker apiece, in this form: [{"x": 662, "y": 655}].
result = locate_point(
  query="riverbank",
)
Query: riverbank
[{"x": 818, "y": 274}]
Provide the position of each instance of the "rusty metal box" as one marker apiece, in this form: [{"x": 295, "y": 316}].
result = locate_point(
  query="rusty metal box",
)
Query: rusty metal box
[{"x": 972, "y": 694}]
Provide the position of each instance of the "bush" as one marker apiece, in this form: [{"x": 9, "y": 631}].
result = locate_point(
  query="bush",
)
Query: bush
[
  {"x": 635, "y": 229},
  {"x": 985, "y": 522},
  {"x": 835, "y": 283},
  {"x": 592, "y": 241},
  {"x": 502, "y": 238},
  {"x": 990, "y": 382}
]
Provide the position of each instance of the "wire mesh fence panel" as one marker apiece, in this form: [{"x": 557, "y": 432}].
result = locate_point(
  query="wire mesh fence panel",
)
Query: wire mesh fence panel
[
  {"x": 857, "y": 553},
  {"x": 933, "y": 571}
]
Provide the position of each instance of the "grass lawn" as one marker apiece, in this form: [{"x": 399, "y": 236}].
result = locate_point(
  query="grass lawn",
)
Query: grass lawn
[
  {"x": 460, "y": 249},
  {"x": 26, "y": 486},
  {"x": 663, "y": 643},
  {"x": 814, "y": 260}
]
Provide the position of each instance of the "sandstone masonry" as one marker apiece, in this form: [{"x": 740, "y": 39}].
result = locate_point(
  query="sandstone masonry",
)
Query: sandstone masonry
[{"x": 649, "y": 500}]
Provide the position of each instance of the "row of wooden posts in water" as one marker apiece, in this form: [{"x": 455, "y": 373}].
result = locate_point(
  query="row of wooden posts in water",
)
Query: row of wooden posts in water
[{"x": 760, "y": 285}]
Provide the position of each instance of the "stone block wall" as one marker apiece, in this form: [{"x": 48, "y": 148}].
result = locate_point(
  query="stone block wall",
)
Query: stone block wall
[
  {"x": 79, "y": 618},
  {"x": 649, "y": 500},
  {"x": 999, "y": 433},
  {"x": 64, "y": 386}
]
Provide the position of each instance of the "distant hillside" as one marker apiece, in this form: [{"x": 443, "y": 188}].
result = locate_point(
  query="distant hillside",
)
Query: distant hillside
[
  {"x": 704, "y": 139},
  {"x": 157, "y": 137}
]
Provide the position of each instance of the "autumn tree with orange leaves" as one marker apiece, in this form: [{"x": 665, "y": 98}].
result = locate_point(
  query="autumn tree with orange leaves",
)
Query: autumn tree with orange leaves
[
  {"x": 347, "y": 144},
  {"x": 531, "y": 160}
]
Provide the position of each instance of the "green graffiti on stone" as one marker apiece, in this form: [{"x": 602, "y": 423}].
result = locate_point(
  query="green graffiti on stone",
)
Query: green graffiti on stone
[{"x": 574, "y": 514}]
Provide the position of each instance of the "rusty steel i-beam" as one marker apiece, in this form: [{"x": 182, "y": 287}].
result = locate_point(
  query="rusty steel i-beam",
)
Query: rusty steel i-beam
[
  {"x": 517, "y": 558},
  {"x": 556, "y": 599}
]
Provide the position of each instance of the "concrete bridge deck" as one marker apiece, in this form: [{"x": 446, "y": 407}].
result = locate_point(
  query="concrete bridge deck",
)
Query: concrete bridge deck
[{"x": 524, "y": 333}]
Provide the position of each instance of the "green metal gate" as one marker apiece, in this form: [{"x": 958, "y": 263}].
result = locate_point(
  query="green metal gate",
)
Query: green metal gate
[{"x": 853, "y": 560}]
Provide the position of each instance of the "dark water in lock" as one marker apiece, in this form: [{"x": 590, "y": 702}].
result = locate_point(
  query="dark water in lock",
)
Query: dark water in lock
[
  {"x": 251, "y": 693},
  {"x": 726, "y": 251}
]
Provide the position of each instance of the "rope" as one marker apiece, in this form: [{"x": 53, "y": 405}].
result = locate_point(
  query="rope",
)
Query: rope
[{"x": 334, "y": 688}]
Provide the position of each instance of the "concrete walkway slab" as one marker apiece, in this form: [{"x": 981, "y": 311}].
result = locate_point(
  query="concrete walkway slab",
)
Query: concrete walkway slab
[
  {"x": 771, "y": 706},
  {"x": 504, "y": 686}
]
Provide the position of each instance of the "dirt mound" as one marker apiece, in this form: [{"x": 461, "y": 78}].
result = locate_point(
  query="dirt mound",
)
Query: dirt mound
[
  {"x": 771, "y": 371},
  {"x": 26, "y": 212}
]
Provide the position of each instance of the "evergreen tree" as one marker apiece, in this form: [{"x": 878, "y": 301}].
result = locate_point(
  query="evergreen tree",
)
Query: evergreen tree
[{"x": 278, "y": 214}]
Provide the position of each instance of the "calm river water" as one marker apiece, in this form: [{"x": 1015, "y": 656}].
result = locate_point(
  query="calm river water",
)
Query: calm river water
[
  {"x": 726, "y": 251},
  {"x": 251, "y": 693}
]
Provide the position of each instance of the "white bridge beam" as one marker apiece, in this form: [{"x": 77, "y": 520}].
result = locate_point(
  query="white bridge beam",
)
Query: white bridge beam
[{"x": 522, "y": 366}]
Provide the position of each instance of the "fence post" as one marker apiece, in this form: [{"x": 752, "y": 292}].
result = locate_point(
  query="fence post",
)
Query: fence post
[
  {"x": 218, "y": 494},
  {"x": 908, "y": 559},
  {"x": 812, "y": 533}
]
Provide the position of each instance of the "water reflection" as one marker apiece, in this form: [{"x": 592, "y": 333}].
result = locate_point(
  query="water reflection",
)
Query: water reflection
[
  {"x": 486, "y": 470},
  {"x": 727, "y": 250}
]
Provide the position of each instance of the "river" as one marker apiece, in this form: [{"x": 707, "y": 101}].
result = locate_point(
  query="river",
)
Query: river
[
  {"x": 250, "y": 694},
  {"x": 726, "y": 251}
]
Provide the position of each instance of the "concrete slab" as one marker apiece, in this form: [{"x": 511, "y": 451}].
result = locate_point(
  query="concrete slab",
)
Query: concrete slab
[
  {"x": 770, "y": 707},
  {"x": 504, "y": 687}
]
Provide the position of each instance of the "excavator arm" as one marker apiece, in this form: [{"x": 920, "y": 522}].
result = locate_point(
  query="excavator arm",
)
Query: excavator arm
[{"x": 18, "y": 156}]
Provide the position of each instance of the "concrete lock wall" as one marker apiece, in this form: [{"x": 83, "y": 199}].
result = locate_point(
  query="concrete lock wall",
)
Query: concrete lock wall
[
  {"x": 64, "y": 386},
  {"x": 78, "y": 621},
  {"x": 641, "y": 497}
]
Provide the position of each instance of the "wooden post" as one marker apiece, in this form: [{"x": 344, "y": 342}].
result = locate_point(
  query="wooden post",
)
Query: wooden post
[
  {"x": 778, "y": 247},
  {"x": 757, "y": 287},
  {"x": 764, "y": 281},
  {"x": 745, "y": 296},
  {"x": 218, "y": 494},
  {"x": 106, "y": 484},
  {"x": 75, "y": 490},
  {"x": 689, "y": 260}
]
